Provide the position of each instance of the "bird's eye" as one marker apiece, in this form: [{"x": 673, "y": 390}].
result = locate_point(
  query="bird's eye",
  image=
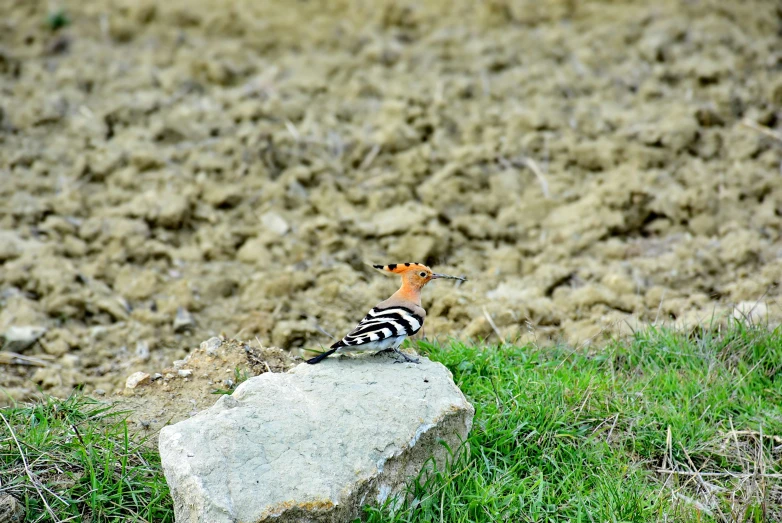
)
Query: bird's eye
[{"x": 422, "y": 274}]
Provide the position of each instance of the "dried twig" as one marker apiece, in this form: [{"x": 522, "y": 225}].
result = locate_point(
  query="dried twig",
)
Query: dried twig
[
  {"x": 493, "y": 325},
  {"x": 694, "y": 502},
  {"x": 616, "y": 418},
  {"x": 13, "y": 358},
  {"x": 33, "y": 479},
  {"x": 734, "y": 433},
  {"x": 659, "y": 308},
  {"x": 755, "y": 126},
  {"x": 720, "y": 474},
  {"x": 704, "y": 485},
  {"x": 533, "y": 166},
  {"x": 370, "y": 157},
  {"x": 321, "y": 329},
  {"x": 292, "y": 130}
]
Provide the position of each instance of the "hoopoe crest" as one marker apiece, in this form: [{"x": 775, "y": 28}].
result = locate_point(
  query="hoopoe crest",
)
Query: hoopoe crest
[{"x": 387, "y": 325}]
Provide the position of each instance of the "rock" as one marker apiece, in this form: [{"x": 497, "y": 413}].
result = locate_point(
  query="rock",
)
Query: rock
[
  {"x": 275, "y": 223},
  {"x": 183, "y": 320},
  {"x": 11, "y": 511},
  {"x": 137, "y": 379},
  {"x": 211, "y": 345},
  {"x": 314, "y": 444},
  {"x": 19, "y": 338},
  {"x": 184, "y": 373},
  {"x": 142, "y": 350}
]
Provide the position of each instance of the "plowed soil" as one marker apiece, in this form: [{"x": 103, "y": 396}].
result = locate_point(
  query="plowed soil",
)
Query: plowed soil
[{"x": 590, "y": 166}]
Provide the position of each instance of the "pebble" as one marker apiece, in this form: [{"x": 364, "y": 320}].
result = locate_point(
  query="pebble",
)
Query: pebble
[
  {"x": 183, "y": 321},
  {"x": 272, "y": 221},
  {"x": 184, "y": 373},
  {"x": 11, "y": 511},
  {"x": 20, "y": 338},
  {"x": 142, "y": 350},
  {"x": 211, "y": 345},
  {"x": 137, "y": 379}
]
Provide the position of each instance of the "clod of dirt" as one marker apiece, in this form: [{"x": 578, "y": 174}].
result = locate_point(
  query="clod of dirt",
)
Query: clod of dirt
[
  {"x": 194, "y": 383},
  {"x": 586, "y": 166}
]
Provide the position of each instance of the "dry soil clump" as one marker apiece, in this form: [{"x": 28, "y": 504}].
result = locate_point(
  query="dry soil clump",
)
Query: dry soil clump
[{"x": 173, "y": 171}]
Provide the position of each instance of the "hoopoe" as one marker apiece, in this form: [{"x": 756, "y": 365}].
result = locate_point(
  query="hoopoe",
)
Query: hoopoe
[{"x": 387, "y": 325}]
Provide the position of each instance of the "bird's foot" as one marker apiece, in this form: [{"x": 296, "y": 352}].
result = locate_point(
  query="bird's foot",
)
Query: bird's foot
[{"x": 407, "y": 358}]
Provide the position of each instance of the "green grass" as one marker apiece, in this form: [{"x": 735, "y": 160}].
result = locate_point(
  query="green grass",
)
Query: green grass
[
  {"x": 74, "y": 460},
  {"x": 559, "y": 435},
  {"x": 563, "y": 435}
]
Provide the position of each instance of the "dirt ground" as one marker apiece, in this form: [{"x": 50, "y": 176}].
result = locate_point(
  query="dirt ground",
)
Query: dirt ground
[{"x": 172, "y": 171}]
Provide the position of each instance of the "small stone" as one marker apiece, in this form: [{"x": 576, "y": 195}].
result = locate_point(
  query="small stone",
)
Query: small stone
[
  {"x": 20, "y": 338},
  {"x": 142, "y": 350},
  {"x": 184, "y": 373},
  {"x": 137, "y": 379},
  {"x": 100, "y": 392},
  {"x": 183, "y": 321},
  {"x": 11, "y": 511},
  {"x": 211, "y": 345},
  {"x": 275, "y": 223},
  {"x": 156, "y": 376}
]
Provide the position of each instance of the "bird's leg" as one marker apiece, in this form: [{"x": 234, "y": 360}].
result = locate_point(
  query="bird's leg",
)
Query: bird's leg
[{"x": 406, "y": 357}]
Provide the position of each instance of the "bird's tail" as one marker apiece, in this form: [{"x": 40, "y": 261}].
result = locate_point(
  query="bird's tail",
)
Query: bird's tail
[{"x": 320, "y": 357}]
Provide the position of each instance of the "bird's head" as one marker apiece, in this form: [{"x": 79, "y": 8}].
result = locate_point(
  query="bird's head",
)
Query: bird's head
[{"x": 415, "y": 275}]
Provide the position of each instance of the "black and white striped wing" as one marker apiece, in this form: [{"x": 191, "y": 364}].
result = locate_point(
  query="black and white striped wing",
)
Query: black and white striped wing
[{"x": 381, "y": 324}]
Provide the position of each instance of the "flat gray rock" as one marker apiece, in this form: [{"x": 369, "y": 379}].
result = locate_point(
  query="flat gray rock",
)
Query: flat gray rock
[{"x": 315, "y": 444}]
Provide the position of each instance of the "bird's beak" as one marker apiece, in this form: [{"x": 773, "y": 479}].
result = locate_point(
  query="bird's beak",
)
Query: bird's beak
[{"x": 436, "y": 276}]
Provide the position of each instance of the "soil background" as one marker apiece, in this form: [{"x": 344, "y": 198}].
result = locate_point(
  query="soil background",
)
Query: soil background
[{"x": 171, "y": 171}]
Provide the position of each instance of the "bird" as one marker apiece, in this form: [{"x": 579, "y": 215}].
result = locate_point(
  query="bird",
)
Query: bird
[{"x": 387, "y": 325}]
